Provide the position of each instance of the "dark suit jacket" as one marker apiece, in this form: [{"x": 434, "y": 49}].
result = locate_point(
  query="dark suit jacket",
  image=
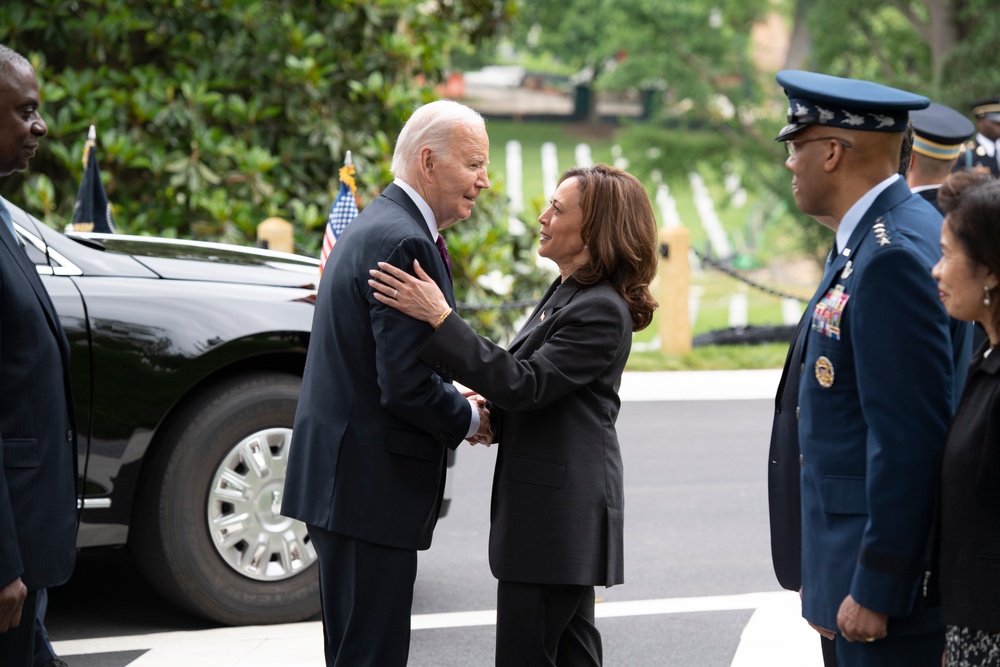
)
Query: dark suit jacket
[
  {"x": 37, "y": 438},
  {"x": 875, "y": 401},
  {"x": 783, "y": 492},
  {"x": 558, "y": 500},
  {"x": 969, "y": 544},
  {"x": 373, "y": 423}
]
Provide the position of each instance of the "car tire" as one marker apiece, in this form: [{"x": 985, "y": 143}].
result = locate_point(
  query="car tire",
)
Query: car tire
[{"x": 231, "y": 440}]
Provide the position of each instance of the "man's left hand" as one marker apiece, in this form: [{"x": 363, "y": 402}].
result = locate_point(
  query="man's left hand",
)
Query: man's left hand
[{"x": 860, "y": 624}]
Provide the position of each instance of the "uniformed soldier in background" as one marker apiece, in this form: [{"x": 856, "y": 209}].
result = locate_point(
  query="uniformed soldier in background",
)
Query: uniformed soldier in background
[
  {"x": 939, "y": 133},
  {"x": 980, "y": 152}
]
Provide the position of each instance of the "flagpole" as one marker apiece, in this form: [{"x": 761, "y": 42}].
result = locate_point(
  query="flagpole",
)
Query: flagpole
[
  {"x": 343, "y": 210},
  {"x": 90, "y": 143}
]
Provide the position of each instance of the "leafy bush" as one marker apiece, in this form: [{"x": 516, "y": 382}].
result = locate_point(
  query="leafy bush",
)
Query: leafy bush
[{"x": 214, "y": 115}]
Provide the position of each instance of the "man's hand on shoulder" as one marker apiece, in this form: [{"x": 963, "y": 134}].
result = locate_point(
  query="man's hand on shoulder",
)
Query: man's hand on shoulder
[{"x": 11, "y": 600}]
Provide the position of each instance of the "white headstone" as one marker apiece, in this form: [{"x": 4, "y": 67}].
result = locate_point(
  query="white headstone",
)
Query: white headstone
[
  {"x": 739, "y": 310},
  {"x": 515, "y": 177},
  {"x": 550, "y": 169},
  {"x": 709, "y": 219},
  {"x": 668, "y": 207}
]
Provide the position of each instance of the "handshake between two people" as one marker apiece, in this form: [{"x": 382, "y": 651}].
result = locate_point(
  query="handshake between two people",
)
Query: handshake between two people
[{"x": 484, "y": 436}]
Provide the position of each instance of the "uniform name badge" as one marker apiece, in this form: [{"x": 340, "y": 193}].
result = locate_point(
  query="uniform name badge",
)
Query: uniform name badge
[{"x": 829, "y": 311}]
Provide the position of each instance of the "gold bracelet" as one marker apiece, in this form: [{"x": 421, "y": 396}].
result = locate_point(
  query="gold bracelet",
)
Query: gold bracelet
[{"x": 443, "y": 317}]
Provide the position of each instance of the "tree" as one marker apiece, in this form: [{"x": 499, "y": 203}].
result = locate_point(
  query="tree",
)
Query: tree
[
  {"x": 938, "y": 47},
  {"x": 691, "y": 49},
  {"x": 216, "y": 114}
]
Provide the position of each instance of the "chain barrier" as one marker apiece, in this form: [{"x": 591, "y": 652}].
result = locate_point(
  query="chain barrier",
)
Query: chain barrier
[{"x": 732, "y": 273}]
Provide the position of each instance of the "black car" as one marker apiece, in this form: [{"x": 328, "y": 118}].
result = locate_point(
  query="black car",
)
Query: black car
[{"x": 187, "y": 359}]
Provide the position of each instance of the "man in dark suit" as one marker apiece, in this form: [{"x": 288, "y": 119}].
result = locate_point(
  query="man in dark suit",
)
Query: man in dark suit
[
  {"x": 37, "y": 438},
  {"x": 980, "y": 152},
  {"x": 939, "y": 133},
  {"x": 875, "y": 367},
  {"x": 373, "y": 425}
]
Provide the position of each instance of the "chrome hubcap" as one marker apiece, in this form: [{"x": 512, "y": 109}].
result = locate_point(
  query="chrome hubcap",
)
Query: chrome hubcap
[{"x": 243, "y": 510}]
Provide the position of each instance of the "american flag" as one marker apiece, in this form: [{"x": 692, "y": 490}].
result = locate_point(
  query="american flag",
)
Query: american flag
[{"x": 344, "y": 210}]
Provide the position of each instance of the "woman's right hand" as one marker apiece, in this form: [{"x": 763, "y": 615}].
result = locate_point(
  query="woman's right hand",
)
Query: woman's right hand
[{"x": 419, "y": 297}]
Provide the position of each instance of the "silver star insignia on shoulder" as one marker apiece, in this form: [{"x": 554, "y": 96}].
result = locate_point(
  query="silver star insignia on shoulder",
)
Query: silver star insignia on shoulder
[{"x": 880, "y": 232}]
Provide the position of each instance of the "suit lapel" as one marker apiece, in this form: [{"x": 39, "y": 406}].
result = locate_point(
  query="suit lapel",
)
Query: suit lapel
[
  {"x": 558, "y": 295},
  {"x": 397, "y": 195}
]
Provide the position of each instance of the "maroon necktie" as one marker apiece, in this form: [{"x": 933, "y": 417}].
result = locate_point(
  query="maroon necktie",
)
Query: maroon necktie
[{"x": 443, "y": 249}]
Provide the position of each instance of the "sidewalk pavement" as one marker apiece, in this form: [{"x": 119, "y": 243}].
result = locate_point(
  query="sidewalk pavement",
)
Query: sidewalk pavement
[
  {"x": 700, "y": 385},
  {"x": 776, "y": 622},
  {"x": 775, "y": 636}
]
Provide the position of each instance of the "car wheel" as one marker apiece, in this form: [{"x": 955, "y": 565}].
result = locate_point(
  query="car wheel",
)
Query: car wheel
[{"x": 206, "y": 529}]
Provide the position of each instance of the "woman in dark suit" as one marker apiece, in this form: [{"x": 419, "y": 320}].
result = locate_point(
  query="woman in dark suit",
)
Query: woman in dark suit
[
  {"x": 557, "y": 511},
  {"x": 968, "y": 274}
]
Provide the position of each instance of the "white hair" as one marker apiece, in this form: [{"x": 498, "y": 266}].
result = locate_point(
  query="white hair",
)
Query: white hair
[
  {"x": 9, "y": 61},
  {"x": 431, "y": 125}
]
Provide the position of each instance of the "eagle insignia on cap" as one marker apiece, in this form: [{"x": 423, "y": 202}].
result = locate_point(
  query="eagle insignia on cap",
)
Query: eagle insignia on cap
[
  {"x": 883, "y": 120},
  {"x": 853, "y": 119}
]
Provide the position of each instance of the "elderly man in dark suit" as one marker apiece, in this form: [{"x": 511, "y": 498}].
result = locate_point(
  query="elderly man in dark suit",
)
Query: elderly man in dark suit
[
  {"x": 37, "y": 441},
  {"x": 870, "y": 417},
  {"x": 367, "y": 466}
]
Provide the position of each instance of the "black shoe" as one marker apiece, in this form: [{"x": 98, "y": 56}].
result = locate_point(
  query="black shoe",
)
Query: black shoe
[{"x": 55, "y": 662}]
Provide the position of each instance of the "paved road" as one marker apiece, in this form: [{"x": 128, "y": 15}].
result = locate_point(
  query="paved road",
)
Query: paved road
[{"x": 696, "y": 561}]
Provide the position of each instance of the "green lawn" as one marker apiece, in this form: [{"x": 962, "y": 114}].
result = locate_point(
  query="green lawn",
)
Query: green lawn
[{"x": 712, "y": 358}]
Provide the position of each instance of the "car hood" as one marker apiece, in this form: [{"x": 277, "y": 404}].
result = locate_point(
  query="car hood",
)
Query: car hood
[{"x": 175, "y": 259}]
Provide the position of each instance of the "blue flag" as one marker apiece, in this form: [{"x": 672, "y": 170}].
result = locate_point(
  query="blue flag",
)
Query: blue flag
[{"x": 92, "y": 212}]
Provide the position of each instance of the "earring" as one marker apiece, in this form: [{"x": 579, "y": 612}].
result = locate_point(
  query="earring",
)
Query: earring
[{"x": 986, "y": 295}]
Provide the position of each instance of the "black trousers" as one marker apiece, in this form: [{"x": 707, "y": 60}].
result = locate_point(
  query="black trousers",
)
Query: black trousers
[
  {"x": 906, "y": 651},
  {"x": 17, "y": 644},
  {"x": 543, "y": 625},
  {"x": 829, "y": 651},
  {"x": 43, "y": 651},
  {"x": 366, "y": 591}
]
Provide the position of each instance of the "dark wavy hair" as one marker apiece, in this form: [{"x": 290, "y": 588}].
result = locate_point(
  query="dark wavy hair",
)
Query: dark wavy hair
[
  {"x": 971, "y": 204},
  {"x": 619, "y": 230}
]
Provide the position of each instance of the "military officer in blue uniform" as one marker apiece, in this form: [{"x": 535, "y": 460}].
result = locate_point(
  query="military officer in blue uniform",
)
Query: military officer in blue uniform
[
  {"x": 876, "y": 377},
  {"x": 980, "y": 152},
  {"x": 938, "y": 135}
]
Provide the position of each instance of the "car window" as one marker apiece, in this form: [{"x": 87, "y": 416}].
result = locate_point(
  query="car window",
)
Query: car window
[{"x": 36, "y": 256}]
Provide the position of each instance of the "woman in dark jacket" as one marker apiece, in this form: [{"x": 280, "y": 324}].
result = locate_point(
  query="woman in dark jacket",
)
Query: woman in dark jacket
[
  {"x": 557, "y": 514},
  {"x": 968, "y": 274}
]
